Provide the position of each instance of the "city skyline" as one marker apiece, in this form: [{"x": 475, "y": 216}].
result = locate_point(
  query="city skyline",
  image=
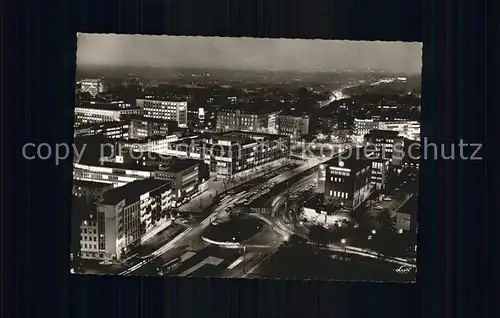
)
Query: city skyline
[
  {"x": 252, "y": 54},
  {"x": 246, "y": 179}
]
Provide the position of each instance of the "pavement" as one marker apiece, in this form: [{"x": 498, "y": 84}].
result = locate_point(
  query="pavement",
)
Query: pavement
[
  {"x": 210, "y": 260},
  {"x": 221, "y": 185}
]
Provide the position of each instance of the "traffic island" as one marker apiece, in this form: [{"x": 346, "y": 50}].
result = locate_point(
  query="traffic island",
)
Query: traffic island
[{"x": 234, "y": 231}]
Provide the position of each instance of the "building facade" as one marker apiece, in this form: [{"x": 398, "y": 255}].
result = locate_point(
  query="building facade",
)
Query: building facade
[
  {"x": 158, "y": 144},
  {"x": 233, "y": 152},
  {"x": 92, "y": 113},
  {"x": 112, "y": 173},
  {"x": 112, "y": 130},
  {"x": 411, "y": 154},
  {"x": 184, "y": 176},
  {"x": 361, "y": 127},
  {"x": 92, "y": 86},
  {"x": 127, "y": 216},
  {"x": 293, "y": 126},
  {"x": 165, "y": 110},
  {"x": 141, "y": 128},
  {"x": 348, "y": 183},
  {"x": 406, "y": 129},
  {"x": 379, "y": 170},
  {"x": 386, "y": 144},
  {"x": 253, "y": 120}
]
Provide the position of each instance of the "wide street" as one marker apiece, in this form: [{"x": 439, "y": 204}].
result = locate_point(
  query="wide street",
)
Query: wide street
[
  {"x": 189, "y": 254},
  {"x": 191, "y": 237}
]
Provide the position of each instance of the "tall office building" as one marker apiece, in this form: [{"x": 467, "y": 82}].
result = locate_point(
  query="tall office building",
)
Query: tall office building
[
  {"x": 387, "y": 144},
  {"x": 165, "y": 110},
  {"x": 127, "y": 216},
  {"x": 347, "y": 182}
]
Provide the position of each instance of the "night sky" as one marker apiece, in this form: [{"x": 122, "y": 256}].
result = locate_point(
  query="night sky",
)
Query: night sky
[{"x": 247, "y": 53}]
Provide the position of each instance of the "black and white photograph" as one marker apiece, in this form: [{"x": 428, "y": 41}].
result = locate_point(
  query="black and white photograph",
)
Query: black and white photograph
[{"x": 246, "y": 158}]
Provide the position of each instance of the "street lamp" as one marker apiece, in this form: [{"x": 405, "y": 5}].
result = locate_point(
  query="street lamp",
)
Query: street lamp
[
  {"x": 374, "y": 232},
  {"x": 343, "y": 242}
]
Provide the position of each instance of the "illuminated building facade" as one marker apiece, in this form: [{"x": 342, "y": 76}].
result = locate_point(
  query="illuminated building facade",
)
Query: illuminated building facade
[
  {"x": 92, "y": 86},
  {"x": 361, "y": 127},
  {"x": 293, "y": 126},
  {"x": 387, "y": 144},
  {"x": 253, "y": 120},
  {"x": 347, "y": 182},
  {"x": 128, "y": 216},
  {"x": 91, "y": 113},
  {"x": 165, "y": 110},
  {"x": 141, "y": 127},
  {"x": 379, "y": 170},
  {"x": 113, "y": 130}
]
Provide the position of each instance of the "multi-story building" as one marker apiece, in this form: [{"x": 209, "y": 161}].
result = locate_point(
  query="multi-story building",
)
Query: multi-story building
[
  {"x": 142, "y": 127},
  {"x": 347, "y": 182},
  {"x": 379, "y": 170},
  {"x": 87, "y": 113},
  {"x": 165, "y": 110},
  {"x": 411, "y": 154},
  {"x": 112, "y": 173},
  {"x": 247, "y": 119},
  {"x": 326, "y": 124},
  {"x": 85, "y": 197},
  {"x": 92, "y": 86},
  {"x": 362, "y": 127},
  {"x": 233, "y": 152},
  {"x": 185, "y": 178},
  {"x": 387, "y": 144},
  {"x": 405, "y": 128},
  {"x": 127, "y": 216},
  {"x": 91, "y": 192},
  {"x": 111, "y": 130},
  {"x": 158, "y": 144},
  {"x": 294, "y": 126}
]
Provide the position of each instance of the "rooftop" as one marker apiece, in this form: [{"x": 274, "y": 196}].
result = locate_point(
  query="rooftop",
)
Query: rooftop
[
  {"x": 172, "y": 99},
  {"x": 110, "y": 124},
  {"x": 293, "y": 113},
  {"x": 383, "y": 133},
  {"x": 151, "y": 120},
  {"x": 178, "y": 165},
  {"x": 250, "y": 134},
  {"x": 247, "y": 109},
  {"x": 132, "y": 191},
  {"x": 99, "y": 105},
  {"x": 234, "y": 139},
  {"x": 90, "y": 184},
  {"x": 356, "y": 158}
]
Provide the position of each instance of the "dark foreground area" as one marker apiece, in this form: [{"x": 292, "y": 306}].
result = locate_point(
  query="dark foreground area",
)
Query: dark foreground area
[{"x": 312, "y": 263}]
